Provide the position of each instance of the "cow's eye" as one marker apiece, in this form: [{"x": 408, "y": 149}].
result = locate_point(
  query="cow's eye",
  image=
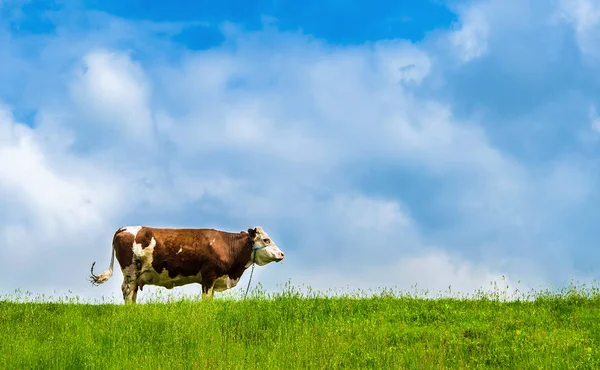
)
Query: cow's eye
[{"x": 267, "y": 241}]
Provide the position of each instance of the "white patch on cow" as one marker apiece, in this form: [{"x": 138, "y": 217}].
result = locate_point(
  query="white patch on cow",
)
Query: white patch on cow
[
  {"x": 144, "y": 254},
  {"x": 148, "y": 275},
  {"x": 133, "y": 230},
  {"x": 137, "y": 247}
]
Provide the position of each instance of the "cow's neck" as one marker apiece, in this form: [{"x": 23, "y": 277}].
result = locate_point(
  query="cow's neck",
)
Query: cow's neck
[{"x": 241, "y": 252}]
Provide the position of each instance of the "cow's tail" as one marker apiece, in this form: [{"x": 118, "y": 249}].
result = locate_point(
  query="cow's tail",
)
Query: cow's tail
[{"x": 104, "y": 276}]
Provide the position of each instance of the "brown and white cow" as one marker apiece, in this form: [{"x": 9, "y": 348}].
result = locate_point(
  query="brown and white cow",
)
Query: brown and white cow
[{"x": 175, "y": 257}]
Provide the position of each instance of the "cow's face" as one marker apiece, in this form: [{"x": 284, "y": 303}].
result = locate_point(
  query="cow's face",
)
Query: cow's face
[{"x": 268, "y": 251}]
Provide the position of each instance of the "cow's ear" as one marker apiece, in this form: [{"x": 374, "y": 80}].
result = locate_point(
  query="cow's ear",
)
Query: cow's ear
[{"x": 252, "y": 233}]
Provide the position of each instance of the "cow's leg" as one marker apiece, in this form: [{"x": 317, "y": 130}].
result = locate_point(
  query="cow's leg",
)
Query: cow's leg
[
  {"x": 208, "y": 286},
  {"x": 129, "y": 289},
  {"x": 130, "y": 285},
  {"x": 207, "y": 293}
]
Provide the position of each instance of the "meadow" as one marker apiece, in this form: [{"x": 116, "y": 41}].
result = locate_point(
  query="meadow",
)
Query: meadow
[{"x": 293, "y": 329}]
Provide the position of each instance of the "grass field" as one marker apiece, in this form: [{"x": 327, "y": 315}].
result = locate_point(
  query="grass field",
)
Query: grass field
[{"x": 544, "y": 330}]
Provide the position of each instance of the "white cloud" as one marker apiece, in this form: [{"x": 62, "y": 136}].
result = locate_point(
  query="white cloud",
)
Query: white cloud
[
  {"x": 584, "y": 15},
  {"x": 52, "y": 193},
  {"x": 373, "y": 215},
  {"x": 402, "y": 62},
  {"x": 351, "y": 226},
  {"x": 56, "y": 212},
  {"x": 338, "y": 98},
  {"x": 471, "y": 39},
  {"x": 428, "y": 273},
  {"x": 113, "y": 90}
]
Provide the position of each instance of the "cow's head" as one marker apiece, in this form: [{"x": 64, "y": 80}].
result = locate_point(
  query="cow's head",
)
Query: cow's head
[{"x": 265, "y": 249}]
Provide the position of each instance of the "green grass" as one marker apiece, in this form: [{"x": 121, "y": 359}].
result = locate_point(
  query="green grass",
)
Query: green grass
[{"x": 547, "y": 330}]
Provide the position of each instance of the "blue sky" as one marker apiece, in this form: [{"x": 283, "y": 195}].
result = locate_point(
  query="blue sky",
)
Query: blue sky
[{"x": 381, "y": 144}]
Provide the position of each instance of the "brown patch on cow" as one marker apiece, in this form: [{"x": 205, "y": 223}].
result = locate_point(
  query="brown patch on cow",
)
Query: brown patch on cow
[
  {"x": 123, "y": 242},
  {"x": 210, "y": 252},
  {"x": 144, "y": 237}
]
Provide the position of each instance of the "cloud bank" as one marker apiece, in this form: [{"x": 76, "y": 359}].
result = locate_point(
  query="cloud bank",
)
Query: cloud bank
[{"x": 452, "y": 160}]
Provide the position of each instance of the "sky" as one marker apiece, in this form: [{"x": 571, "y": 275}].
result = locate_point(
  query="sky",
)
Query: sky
[{"x": 382, "y": 144}]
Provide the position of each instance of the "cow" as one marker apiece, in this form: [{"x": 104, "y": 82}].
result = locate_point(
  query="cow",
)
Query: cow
[{"x": 170, "y": 257}]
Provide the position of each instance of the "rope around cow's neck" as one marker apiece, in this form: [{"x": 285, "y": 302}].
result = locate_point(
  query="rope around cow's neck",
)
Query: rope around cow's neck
[
  {"x": 253, "y": 264},
  {"x": 249, "y": 280}
]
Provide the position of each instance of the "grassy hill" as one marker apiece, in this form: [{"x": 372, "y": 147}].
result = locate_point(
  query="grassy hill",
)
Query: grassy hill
[{"x": 288, "y": 330}]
